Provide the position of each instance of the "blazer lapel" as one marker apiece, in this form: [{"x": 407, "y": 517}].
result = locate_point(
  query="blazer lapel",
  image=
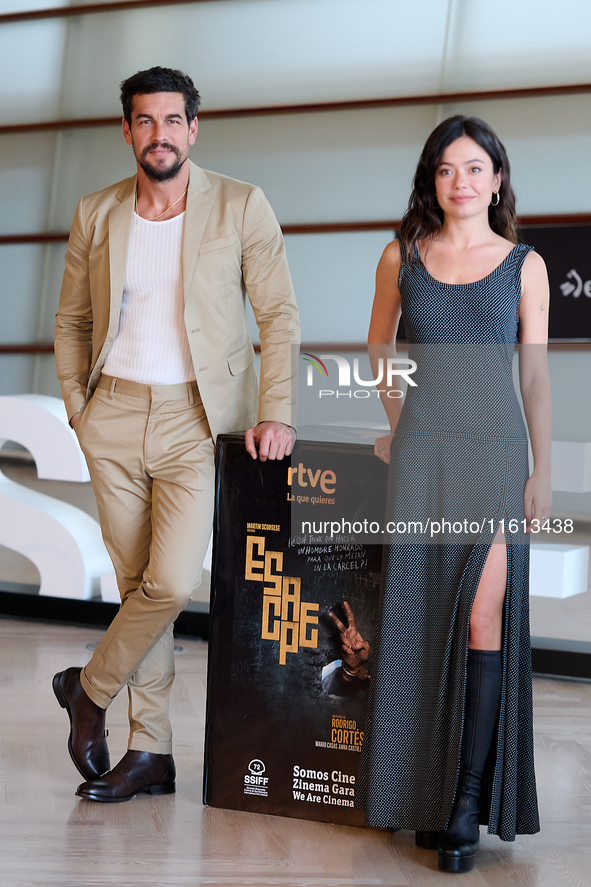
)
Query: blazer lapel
[
  {"x": 199, "y": 206},
  {"x": 120, "y": 219},
  {"x": 119, "y": 228}
]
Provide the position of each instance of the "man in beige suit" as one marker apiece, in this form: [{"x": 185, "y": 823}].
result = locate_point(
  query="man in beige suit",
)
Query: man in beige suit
[{"x": 155, "y": 360}]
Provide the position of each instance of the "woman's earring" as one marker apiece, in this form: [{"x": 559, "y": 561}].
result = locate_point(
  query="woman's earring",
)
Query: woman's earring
[{"x": 497, "y": 201}]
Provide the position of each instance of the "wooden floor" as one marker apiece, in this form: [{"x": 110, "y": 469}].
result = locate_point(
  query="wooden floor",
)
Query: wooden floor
[{"x": 50, "y": 837}]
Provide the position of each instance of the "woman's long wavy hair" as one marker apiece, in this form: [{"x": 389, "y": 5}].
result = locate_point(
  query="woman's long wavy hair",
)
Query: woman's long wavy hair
[{"x": 424, "y": 218}]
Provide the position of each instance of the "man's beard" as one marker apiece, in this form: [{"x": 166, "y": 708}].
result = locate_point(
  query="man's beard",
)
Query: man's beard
[{"x": 164, "y": 174}]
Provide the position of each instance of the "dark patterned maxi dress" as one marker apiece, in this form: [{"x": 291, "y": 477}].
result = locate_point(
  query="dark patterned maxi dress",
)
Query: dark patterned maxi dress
[{"x": 459, "y": 455}]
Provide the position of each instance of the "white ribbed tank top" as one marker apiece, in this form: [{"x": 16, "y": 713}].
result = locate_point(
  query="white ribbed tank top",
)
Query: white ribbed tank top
[{"x": 151, "y": 345}]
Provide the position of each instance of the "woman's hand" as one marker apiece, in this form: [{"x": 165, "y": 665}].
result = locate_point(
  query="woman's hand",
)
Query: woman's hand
[
  {"x": 537, "y": 498},
  {"x": 534, "y": 380},
  {"x": 355, "y": 650},
  {"x": 382, "y": 447},
  {"x": 381, "y": 338}
]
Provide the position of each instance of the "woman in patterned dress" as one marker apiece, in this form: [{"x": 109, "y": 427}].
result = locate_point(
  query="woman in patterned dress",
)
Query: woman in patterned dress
[{"x": 449, "y": 733}]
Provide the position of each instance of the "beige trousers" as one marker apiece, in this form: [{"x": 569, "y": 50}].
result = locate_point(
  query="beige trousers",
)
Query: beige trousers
[{"x": 150, "y": 455}]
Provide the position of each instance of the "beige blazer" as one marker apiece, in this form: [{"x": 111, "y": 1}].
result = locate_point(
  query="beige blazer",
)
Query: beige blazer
[{"x": 232, "y": 247}]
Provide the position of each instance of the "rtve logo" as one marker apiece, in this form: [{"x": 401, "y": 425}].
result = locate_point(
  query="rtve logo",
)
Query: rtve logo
[{"x": 387, "y": 369}]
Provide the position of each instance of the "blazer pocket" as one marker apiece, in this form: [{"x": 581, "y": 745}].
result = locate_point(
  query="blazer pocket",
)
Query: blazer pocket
[
  {"x": 241, "y": 360},
  {"x": 219, "y": 243}
]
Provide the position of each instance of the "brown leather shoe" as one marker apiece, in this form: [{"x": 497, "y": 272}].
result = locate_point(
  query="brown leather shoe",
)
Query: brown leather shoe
[
  {"x": 137, "y": 771},
  {"x": 87, "y": 742}
]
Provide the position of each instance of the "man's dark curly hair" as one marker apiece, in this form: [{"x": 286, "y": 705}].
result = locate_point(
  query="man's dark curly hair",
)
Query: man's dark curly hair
[{"x": 160, "y": 80}]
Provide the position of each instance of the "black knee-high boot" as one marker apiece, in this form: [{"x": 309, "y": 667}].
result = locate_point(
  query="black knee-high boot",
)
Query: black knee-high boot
[{"x": 459, "y": 843}]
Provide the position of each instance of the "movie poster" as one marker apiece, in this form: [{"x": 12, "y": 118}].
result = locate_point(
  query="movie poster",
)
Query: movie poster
[{"x": 284, "y": 728}]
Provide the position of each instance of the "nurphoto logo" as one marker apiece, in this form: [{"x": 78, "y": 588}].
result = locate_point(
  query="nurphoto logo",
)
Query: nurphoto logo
[{"x": 387, "y": 369}]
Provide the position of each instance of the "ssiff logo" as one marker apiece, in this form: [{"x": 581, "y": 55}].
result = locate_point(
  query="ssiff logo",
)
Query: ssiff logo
[
  {"x": 387, "y": 369},
  {"x": 255, "y": 782}
]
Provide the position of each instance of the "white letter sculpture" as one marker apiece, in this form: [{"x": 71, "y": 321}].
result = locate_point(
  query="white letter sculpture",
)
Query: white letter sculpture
[{"x": 63, "y": 542}]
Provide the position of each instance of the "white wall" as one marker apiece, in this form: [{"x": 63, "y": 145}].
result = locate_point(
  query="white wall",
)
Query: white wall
[
  {"x": 31, "y": 55},
  {"x": 316, "y": 167}
]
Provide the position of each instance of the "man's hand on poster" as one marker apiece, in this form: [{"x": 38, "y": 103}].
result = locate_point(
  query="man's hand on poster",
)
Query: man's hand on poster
[
  {"x": 270, "y": 440},
  {"x": 355, "y": 650}
]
